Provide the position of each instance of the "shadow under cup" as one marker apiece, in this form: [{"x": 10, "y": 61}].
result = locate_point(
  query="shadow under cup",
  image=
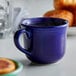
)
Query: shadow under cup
[{"x": 47, "y": 37}]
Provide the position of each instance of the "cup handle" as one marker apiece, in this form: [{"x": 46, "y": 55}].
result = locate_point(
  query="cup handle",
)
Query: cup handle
[{"x": 17, "y": 43}]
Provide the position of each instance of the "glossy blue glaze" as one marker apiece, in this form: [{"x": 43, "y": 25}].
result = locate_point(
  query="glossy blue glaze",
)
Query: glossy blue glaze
[{"x": 47, "y": 39}]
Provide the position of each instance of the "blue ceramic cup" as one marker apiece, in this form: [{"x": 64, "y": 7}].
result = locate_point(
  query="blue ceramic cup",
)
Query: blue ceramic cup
[{"x": 47, "y": 38}]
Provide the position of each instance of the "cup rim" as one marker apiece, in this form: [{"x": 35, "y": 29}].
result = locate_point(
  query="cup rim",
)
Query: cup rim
[
  {"x": 19, "y": 66},
  {"x": 24, "y": 24}
]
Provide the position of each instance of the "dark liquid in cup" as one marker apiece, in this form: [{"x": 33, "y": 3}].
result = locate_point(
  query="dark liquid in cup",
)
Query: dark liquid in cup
[{"x": 44, "y": 22}]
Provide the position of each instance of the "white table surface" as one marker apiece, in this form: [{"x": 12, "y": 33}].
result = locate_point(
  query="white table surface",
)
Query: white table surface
[{"x": 65, "y": 67}]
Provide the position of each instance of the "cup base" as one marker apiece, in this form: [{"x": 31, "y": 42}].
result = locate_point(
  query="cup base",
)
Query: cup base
[{"x": 38, "y": 61}]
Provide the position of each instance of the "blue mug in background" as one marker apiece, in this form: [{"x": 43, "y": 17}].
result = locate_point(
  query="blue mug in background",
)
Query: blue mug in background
[{"x": 47, "y": 39}]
